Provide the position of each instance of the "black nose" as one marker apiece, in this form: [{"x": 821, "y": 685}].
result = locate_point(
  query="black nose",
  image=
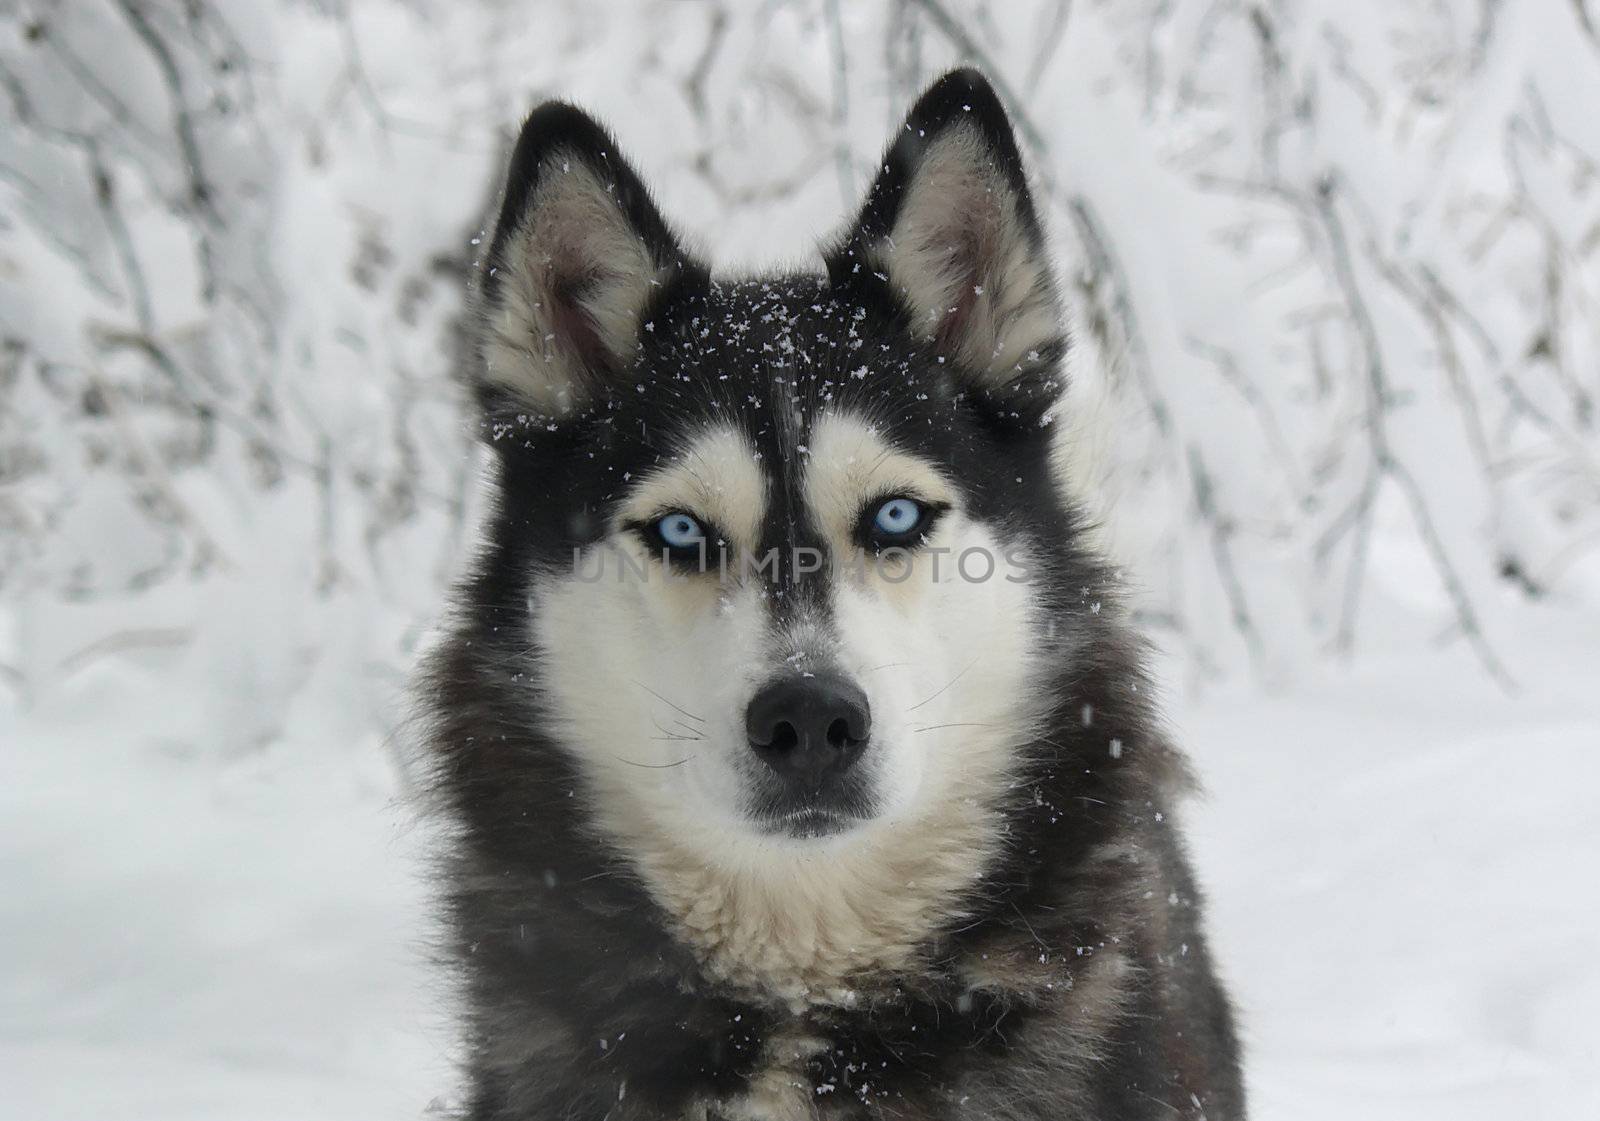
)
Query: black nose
[{"x": 806, "y": 728}]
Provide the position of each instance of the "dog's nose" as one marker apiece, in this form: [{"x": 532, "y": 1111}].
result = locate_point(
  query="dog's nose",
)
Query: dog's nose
[{"x": 808, "y": 727}]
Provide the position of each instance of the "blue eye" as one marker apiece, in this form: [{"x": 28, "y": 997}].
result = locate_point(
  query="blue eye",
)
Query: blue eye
[
  {"x": 898, "y": 518},
  {"x": 680, "y": 531}
]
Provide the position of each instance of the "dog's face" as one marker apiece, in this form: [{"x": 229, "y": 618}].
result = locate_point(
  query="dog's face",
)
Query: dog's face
[{"x": 776, "y": 542}]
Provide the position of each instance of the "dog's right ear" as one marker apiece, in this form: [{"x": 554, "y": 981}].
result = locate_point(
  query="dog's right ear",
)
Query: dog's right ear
[
  {"x": 579, "y": 256},
  {"x": 949, "y": 235}
]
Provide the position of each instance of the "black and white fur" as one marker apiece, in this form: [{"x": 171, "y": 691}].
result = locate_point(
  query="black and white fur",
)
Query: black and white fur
[{"x": 998, "y": 922}]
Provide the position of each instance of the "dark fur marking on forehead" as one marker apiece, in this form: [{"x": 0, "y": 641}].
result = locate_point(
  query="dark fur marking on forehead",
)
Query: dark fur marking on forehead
[{"x": 790, "y": 347}]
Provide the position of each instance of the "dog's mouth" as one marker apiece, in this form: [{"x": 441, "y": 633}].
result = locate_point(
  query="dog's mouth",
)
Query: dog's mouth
[
  {"x": 836, "y": 808},
  {"x": 812, "y": 821}
]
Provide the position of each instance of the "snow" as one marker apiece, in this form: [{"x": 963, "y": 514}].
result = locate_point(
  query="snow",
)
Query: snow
[
  {"x": 1400, "y": 860},
  {"x": 230, "y": 939}
]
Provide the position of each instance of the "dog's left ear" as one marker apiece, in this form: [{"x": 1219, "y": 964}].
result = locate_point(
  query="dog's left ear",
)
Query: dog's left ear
[{"x": 949, "y": 236}]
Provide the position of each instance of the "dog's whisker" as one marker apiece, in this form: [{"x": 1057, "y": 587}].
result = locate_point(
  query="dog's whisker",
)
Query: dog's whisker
[
  {"x": 663, "y": 700},
  {"x": 947, "y": 685},
  {"x": 655, "y": 766},
  {"x": 886, "y": 665},
  {"x": 669, "y": 734}
]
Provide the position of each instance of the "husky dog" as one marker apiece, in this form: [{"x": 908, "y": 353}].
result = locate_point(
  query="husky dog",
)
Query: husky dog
[{"x": 799, "y": 751}]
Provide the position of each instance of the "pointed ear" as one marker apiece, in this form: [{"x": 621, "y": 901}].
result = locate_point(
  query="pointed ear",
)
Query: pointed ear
[
  {"x": 579, "y": 256},
  {"x": 949, "y": 235}
]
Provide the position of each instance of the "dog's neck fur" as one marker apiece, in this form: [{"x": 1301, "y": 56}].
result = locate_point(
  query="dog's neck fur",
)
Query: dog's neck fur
[{"x": 817, "y": 930}]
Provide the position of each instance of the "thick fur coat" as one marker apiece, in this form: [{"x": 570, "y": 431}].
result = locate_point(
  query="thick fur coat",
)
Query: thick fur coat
[{"x": 988, "y": 914}]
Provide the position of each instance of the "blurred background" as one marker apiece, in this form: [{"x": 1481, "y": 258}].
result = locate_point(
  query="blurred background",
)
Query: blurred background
[{"x": 1333, "y": 268}]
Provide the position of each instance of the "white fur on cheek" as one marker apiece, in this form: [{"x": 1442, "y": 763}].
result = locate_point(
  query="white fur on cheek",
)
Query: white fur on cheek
[
  {"x": 948, "y": 659},
  {"x": 646, "y": 673},
  {"x": 648, "y": 668},
  {"x": 941, "y": 644}
]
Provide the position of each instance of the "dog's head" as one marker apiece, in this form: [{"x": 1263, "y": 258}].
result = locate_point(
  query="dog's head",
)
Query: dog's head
[{"x": 780, "y": 548}]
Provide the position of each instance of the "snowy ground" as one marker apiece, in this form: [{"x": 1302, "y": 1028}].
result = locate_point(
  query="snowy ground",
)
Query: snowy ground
[
  {"x": 230, "y": 940},
  {"x": 1401, "y": 863}
]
